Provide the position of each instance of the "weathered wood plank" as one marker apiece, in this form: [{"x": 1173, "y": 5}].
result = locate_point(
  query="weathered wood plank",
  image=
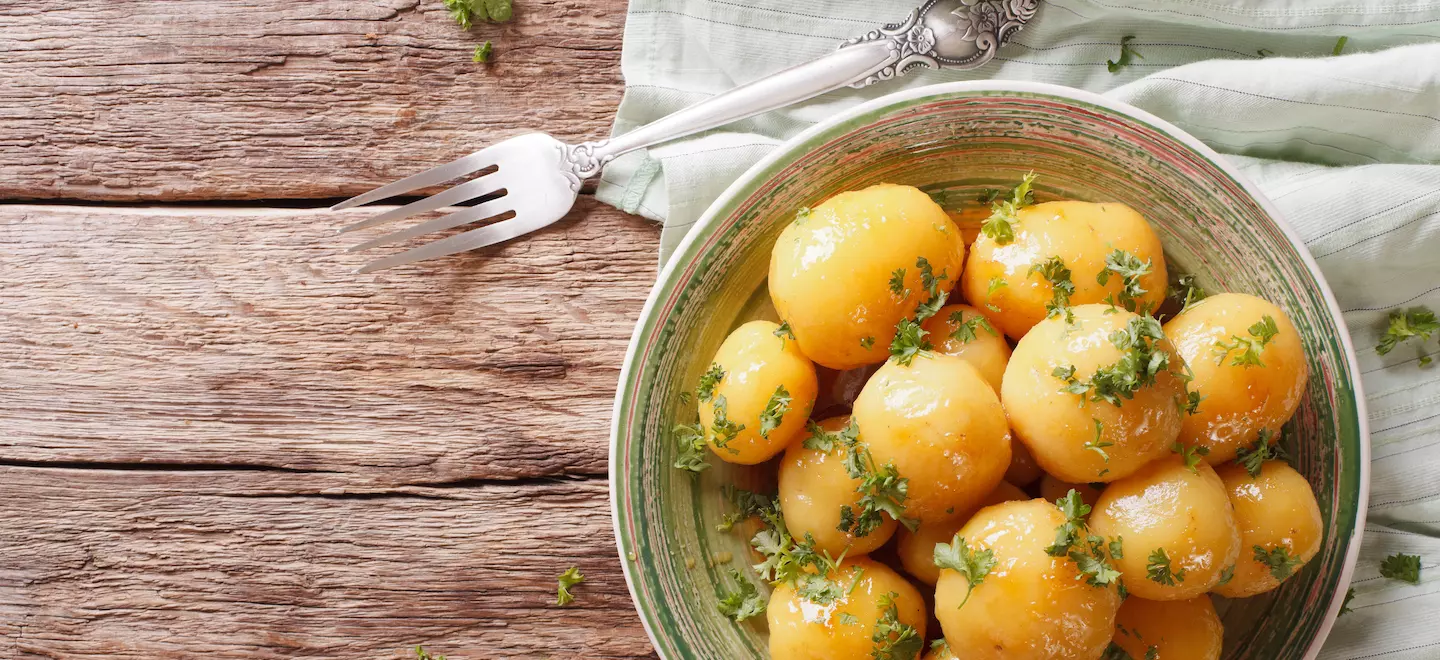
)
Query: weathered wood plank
[
  {"x": 241, "y": 337},
  {"x": 225, "y": 564},
  {"x": 255, "y": 99}
]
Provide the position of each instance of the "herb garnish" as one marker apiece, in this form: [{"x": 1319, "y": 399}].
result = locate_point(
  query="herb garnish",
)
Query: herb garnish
[
  {"x": 999, "y": 226},
  {"x": 1226, "y": 576},
  {"x": 1400, "y": 566},
  {"x": 1090, "y": 560},
  {"x": 785, "y": 332},
  {"x": 569, "y": 578},
  {"x": 974, "y": 564},
  {"x": 481, "y": 54},
  {"x": 909, "y": 341},
  {"x": 867, "y": 342},
  {"x": 1075, "y": 509},
  {"x": 1192, "y": 455},
  {"x": 1159, "y": 571},
  {"x": 1186, "y": 292},
  {"x": 897, "y": 284},
  {"x": 747, "y": 505},
  {"x": 774, "y": 412},
  {"x": 1249, "y": 347},
  {"x": 1404, "y": 324},
  {"x": 1345, "y": 605},
  {"x": 931, "y": 283},
  {"x": 709, "y": 381},
  {"x": 1130, "y": 269},
  {"x": 691, "y": 439},
  {"x": 995, "y": 284},
  {"x": 743, "y": 604},
  {"x": 1117, "y": 548},
  {"x": 1279, "y": 560},
  {"x": 1096, "y": 445},
  {"x": 1058, "y": 275},
  {"x": 1265, "y": 449},
  {"x": 882, "y": 488},
  {"x": 465, "y": 12},
  {"x": 1340, "y": 45},
  {"x": 965, "y": 329},
  {"x": 1126, "y": 52},
  {"x": 1138, "y": 367},
  {"x": 895, "y": 640}
]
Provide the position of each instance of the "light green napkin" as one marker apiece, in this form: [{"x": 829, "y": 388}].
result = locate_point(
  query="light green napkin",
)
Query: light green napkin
[{"x": 1348, "y": 147}]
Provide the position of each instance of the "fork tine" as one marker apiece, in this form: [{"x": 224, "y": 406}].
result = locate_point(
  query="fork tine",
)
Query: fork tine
[
  {"x": 462, "y": 217},
  {"x": 436, "y": 175},
  {"x": 470, "y": 240},
  {"x": 450, "y": 197}
]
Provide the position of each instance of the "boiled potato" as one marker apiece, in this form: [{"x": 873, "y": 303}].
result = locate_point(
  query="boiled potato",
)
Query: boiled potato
[
  {"x": 941, "y": 425},
  {"x": 917, "y": 549},
  {"x": 756, "y": 371},
  {"x": 1276, "y": 513},
  {"x": 830, "y": 270},
  {"x": 1169, "y": 507},
  {"x": 802, "y": 630},
  {"x": 962, "y": 331},
  {"x": 814, "y": 487},
  {"x": 1083, "y": 236},
  {"x": 1239, "y": 400},
  {"x": 1175, "y": 629},
  {"x": 1053, "y": 489},
  {"x": 1060, "y": 427},
  {"x": 1023, "y": 469},
  {"x": 1030, "y": 606},
  {"x": 939, "y": 652}
]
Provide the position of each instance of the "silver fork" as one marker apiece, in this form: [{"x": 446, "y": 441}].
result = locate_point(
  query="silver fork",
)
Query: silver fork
[{"x": 541, "y": 176}]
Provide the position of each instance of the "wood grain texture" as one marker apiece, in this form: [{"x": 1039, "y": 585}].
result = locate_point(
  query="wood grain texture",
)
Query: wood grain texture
[{"x": 271, "y": 99}]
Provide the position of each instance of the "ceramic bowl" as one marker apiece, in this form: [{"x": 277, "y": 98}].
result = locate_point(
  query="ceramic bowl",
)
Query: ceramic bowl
[{"x": 962, "y": 138}]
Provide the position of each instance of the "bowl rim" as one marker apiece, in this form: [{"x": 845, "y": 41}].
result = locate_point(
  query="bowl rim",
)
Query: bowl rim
[{"x": 787, "y": 149}]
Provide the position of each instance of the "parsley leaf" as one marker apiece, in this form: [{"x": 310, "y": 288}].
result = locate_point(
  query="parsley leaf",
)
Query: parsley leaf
[
  {"x": 848, "y": 619},
  {"x": 1192, "y": 455},
  {"x": 466, "y": 12},
  {"x": 1058, "y": 275},
  {"x": 1249, "y": 347},
  {"x": 481, "y": 54},
  {"x": 999, "y": 226},
  {"x": 774, "y": 412},
  {"x": 691, "y": 440},
  {"x": 867, "y": 342},
  {"x": 1252, "y": 458},
  {"x": 1126, "y": 52},
  {"x": 802, "y": 215},
  {"x": 569, "y": 578},
  {"x": 1404, "y": 324},
  {"x": 1097, "y": 445},
  {"x": 1138, "y": 366},
  {"x": 1075, "y": 509},
  {"x": 462, "y": 11},
  {"x": 1280, "y": 562},
  {"x": 1116, "y": 652},
  {"x": 1186, "y": 292},
  {"x": 722, "y": 429},
  {"x": 974, "y": 564},
  {"x": 1340, "y": 45},
  {"x": 882, "y": 489},
  {"x": 747, "y": 505},
  {"x": 1090, "y": 560},
  {"x": 965, "y": 328},
  {"x": 931, "y": 282},
  {"x": 1345, "y": 606},
  {"x": 1399, "y": 566},
  {"x": 995, "y": 284},
  {"x": 1159, "y": 571},
  {"x": 895, "y": 640},
  {"x": 785, "y": 332},
  {"x": 897, "y": 284},
  {"x": 1226, "y": 576},
  {"x": 909, "y": 341},
  {"x": 1192, "y": 403},
  {"x": 743, "y": 604},
  {"x": 1117, "y": 548},
  {"x": 1130, "y": 269},
  {"x": 422, "y": 654},
  {"x": 709, "y": 381}
]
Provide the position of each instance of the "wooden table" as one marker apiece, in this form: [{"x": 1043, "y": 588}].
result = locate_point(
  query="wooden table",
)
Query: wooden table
[{"x": 215, "y": 440}]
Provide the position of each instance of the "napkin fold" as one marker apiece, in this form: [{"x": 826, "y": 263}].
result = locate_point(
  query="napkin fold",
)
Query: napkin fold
[{"x": 1347, "y": 146}]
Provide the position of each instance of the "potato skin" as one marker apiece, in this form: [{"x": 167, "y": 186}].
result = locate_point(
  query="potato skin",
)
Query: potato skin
[
  {"x": 1030, "y": 606},
  {"x": 1081, "y": 234},
  {"x": 813, "y": 487},
  {"x": 942, "y": 426},
  {"x": 1277, "y": 508},
  {"x": 1053, "y": 489},
  {"x": 1165, "y": 505},
  {"x": 830, "y": 272},
  {"x": 756, "y": 362},
  {"x": 988, "y": 352},
  {"x": 1055, "y": 425},
  {"x": 1239, "y": 401},
  {"x": 917, "y": 549},
  {"x": 801, "y": 630},
  {"x": 1176, "y": 629}
]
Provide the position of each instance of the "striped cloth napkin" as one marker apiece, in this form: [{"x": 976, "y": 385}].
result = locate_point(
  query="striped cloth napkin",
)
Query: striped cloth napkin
[{"x": 1347, "y": 146}]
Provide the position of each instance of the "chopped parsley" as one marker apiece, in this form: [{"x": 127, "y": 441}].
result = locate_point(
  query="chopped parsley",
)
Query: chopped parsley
[
  {"x": 1140, "y": 363},
  {"x": 995, "y": 284},
  {"x": 1400, "y": 566},
  {"x": 1340, "y": 45},
  {"x": 1192, "y": 403},
  {"x": 1185, "y": 292},
  {"x": 1226, "y": 576},
  {"x": 1130, "y": 269},
  {"x": 895, "y": 640},
  {"x": 1075, "y": 509},
  {"x": 1126, "y": 52},
  {"x": 965, "y": 328},
  {"x": 848, "y": 619},
  {"x": 802, "y": 215},
  {"x": 1091, "y": 561},
  {"x": 1097, "y": 445},
  {"x": 1000, "y": 227},
  {"x": 1279, "y": 560},
  {"x": 1058, "y": 275},
  {"x": 422, "y": 654},
  {"x": 1345, "y": 606},
  {"x": 897, "y": 284},
  {"x": 931, "y": 282},
  {"x": 989, "y": 195},
  {"x": 958, "y": 556},
  {"x": 1116, "y": 652},
  {"x": 747, "y": 505},
  {"x": 466, "y": 12},
  {"x": 569, "y": 578},
  {"x": 909, "y": 341},
  {"x": 1247, "y": 348},
  {"x": 774, "y": 412},
  {"x": 1159, "y": 571},
  {"x": 1117, "y": 548},
  {"x": 1192, "y": 455},
  {"x": 691, "y": 440},
  {"x": 481, "y": 54},
  {"x": 822, "y": 440},
  {"x": 867, "y": 343},
  {"x": 709, "y": 381},
  {"x": 723, "y": 429},
  {"x": 791, "y": 561},
  {"x": 1265, "y": 449},
  {"x": 1404, "y": 324},
  {"x": 882, "y": 489},
  {"x": 785, "y": 332},
  {"x": 742, "y": 604}
]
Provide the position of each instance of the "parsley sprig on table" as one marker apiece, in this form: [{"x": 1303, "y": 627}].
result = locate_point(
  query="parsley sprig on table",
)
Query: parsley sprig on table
[
  {"x": 1054, "y": 271},
  {"x": 1139, "y": 364},
  {"x": 1266, "y": 447},
  {"x": 1247, "y": 349},
  {"x": 466, "y": 12},
  {"x": 895, "y": 640},
  {"x": 422, "y": 654},
  {"x": 1159, "y": 571},
  {"x": 742, "y": 604},
  {"x": 569, "y": 578},
  {"x": 1279, "y": 560},
  {"x": 1401, "y": 566},
  {"x": 1345, "y": 604},
  {"x": 1126, "y": 52},
  {"x": 1000, "y": 227},
  {"x": 1407, "y": 324},
  {"x": 974, "y": 564},
  {"x": 1130, "y": 269}
]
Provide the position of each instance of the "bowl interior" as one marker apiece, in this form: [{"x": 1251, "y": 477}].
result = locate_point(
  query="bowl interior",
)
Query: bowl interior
[{"x": 960, "y": 141}]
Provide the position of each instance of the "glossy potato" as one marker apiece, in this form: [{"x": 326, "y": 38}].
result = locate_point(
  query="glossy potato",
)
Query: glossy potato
[
  {"x": 1056, "y": 425},
  {"x": 1167, "y": 506},
  {"x": 1275, "y": 510},
  {"x": 962, "y": 331},
  {"x": 939, "y": 652},
  {"x": 941, "y": 425},
  {"x": 1082, "y": 235},
  {"x": 1053, "y": 489},
  {"x": 830, "y": 270},
  {"x": 756, "y": 363},
  {"x": 814, "y": 486},
  {"x": 1239, "y": 401},
  {"x": 917, "y": 549},
  {"x": 802, "y": 630},
  {"x": 1023, "y": 469},
  {"x": 1031, "y": 606},
  {"x": 1176, "y": 629}
]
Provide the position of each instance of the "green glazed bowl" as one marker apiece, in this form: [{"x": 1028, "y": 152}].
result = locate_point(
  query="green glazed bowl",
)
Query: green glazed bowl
[{"x": 960, "y": 138}]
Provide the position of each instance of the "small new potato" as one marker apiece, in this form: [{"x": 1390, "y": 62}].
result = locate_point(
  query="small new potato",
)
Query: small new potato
[
  {"x": 1167, "y": 506},
  {"x": 1082, "y": 235},
  {"x": 830, "y": 270},
  {"x": 802, "y": 630},
  {"x": 814, "y": 487},
  {"x": 1239, "y": 400},
  {"x": 1023, "y": 468},
  {"x": 1030, "y": 606},
  {"x": 1175, "y": 629},
  {"x": 962, "y": 331},
  {"x": 1059, "y": 426},
  {"x": 941, "y": 425},
  {"x": 756, "y": 365},
  {"x": 1273, "y": 511},
  {"x": 1053, "y": 489},
  {"x": 917, "y": 549}
]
